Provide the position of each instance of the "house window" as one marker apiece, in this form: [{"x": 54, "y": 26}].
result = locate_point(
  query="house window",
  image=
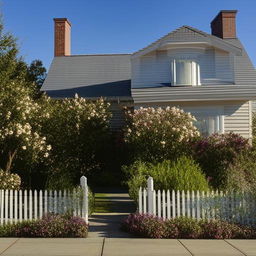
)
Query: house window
[
  {"x": 185, "y": 72},
  {"x": 208, "y": 125}
]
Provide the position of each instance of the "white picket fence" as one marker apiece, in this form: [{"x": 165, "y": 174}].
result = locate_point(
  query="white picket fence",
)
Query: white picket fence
[
  {"x": 19, "y": 205},
  {"x": 232, "y": 207}
]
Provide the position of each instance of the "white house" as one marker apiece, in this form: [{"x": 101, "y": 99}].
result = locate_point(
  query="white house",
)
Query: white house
[{"x": 209, "y": 75}]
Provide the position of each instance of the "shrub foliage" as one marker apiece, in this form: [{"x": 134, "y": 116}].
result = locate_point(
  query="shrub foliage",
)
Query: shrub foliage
[
  {"x": 9, "y": 180},
  {"x": 159, "y": 134},
  {"x": 78, "y": 130},
  {"x": 182, "y": 174},
  {"x": 216, "y": 152},
  {"x": 51, "y": 225},
  {"x": 185, "y": 228}
]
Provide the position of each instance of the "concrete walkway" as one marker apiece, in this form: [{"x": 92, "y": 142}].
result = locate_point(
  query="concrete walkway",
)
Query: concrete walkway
[
  {"x": 124, "y": 247},
  {"x": 112, "y": 209}
]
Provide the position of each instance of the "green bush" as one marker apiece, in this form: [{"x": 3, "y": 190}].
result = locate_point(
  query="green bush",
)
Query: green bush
[
  {"x": 79, "y": 132},
  {"x": 241, "y": 174},
  {"x": 215, "y": 154},
  {"x": 183, "y": 174}
]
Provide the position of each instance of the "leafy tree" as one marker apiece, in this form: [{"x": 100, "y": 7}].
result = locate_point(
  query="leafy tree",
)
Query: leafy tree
[
  {"x": 37, "y": 73},
  {"x": 20, "y": 126},
  {"x": 13, "y": 68},
  {"x": 21, "y": 117},
  {"x": 78, "y": 131}
]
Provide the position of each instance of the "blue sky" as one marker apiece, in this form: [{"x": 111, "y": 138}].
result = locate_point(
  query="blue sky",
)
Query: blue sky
[{"x": 117, "y": 26}]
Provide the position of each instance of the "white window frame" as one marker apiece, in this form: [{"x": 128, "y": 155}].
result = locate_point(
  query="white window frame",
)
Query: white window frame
[
  {"x": 218, "y": 123},
  {"x": 195, "y": 72}
]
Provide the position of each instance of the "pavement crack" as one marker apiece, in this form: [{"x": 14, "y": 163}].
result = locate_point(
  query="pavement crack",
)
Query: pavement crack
[
  {"x": 10, "y": 246},
  {"x": 102, "y": 248},
  {"x": 185, "y": 247},
  {"x": 235, "y": 247}
]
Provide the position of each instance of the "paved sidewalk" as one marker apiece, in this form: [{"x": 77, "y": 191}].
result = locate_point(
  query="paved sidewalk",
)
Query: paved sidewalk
[{"x": 124, "y": 247}]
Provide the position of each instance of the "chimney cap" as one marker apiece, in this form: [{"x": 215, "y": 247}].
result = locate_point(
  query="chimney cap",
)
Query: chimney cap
[
  {"x": 61, "y": 20},
  {"x": 224, "y": 11}
]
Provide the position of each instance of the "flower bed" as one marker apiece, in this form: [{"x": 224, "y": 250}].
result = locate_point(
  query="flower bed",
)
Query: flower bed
[
  {"x": 152, "y": 227},
  {"x": 51, "y": 225}
]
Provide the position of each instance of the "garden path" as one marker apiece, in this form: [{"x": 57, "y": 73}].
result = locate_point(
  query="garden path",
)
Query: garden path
[{"x": 110, "y": 209}]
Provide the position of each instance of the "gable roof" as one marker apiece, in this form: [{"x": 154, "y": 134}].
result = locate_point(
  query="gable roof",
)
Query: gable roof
[
  {"x": 190, "y": 35},
  {"x": 109, "y": 75},
  {"x": 91, "y": 76}
]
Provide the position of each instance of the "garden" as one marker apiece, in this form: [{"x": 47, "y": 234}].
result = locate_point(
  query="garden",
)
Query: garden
[{"x": 49, "y": 144}]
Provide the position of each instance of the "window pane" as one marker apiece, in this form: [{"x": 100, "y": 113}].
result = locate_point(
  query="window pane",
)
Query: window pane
[
  {"x": 207, "y": 125},
  {"x": 183, "y": 72}
]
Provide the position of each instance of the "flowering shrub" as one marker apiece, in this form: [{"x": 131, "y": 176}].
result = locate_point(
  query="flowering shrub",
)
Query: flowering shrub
[
  {"x": 182, "y": 174},
  {"x": 9, "y": 180},
  {"x": 78, "y": 130},
  {"x": 216, "y": 152},
  {"x": 144, "y": 225},
  {"x": 51, "y": 225},
  {"x": 159, "y": 134},
  {"x": 148, "y": 226},
  {"x": 20, "y": 126}
]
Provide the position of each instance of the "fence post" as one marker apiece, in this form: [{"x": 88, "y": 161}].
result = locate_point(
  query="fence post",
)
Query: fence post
[
  {"x": 83, "y": 183},
  {"x": 150, "y": 190}
]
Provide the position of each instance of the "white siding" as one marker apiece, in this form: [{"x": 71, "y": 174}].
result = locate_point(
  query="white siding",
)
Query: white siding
[
  {"x": 237, "y": 119},
  {"x": 154, "y": 69},
  {"x": 224, "y": 66},
  {"x": 237, "y": 114}
]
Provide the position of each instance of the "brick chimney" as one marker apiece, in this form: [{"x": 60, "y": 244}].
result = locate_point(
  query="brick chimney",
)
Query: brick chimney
[
  {"x": 224, "y": 24},
  {"x": 62, "y": 29}
]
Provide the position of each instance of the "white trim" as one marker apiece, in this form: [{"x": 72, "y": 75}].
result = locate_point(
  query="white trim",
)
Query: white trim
[
  {"x": 222, "y": 124},
  {"x": 250, "y": 119}
]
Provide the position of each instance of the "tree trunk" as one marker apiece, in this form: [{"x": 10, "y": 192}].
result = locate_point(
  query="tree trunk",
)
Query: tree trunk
[{"x": 11, "y": 156}]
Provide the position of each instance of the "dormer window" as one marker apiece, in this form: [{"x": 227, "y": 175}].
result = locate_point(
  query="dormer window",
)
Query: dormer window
[{"x": 185, "y": 72}]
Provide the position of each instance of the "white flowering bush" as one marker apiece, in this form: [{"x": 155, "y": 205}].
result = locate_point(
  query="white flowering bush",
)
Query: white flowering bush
[
  {"x": 79, "y": 133},
  {"x": 9, "y": 180},
  {"x": 159, "y": 134},
  {"x": 21, "y": 119}
]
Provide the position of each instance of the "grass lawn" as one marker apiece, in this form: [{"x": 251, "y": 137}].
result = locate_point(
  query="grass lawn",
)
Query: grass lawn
[{"x": 102, "y": 203}]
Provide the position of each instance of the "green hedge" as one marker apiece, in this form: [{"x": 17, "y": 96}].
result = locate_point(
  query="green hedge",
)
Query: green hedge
[{"x": 183, "y": 174}]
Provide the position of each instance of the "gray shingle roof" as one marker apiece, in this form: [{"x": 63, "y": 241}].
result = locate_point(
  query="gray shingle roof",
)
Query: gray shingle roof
[
  {"x": 245, "y": 72},
  {"x": 90, "y": 76},
  {"x": 109, "y": 75}
]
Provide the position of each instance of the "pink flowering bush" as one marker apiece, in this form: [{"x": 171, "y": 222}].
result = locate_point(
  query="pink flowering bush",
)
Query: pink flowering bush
[
  {"x": 144, "y": 225},
  {"x": 51, "y": 225},
  {"x": 155, "y": 134},
  {"x": 9, "y": 180},
  {"x": 148, "y": 226},
  {"x": 216, "y": 152}
]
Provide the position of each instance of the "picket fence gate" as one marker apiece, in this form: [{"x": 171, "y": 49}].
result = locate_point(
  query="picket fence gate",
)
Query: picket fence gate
[
  {"x": 19, "y": 205},
  {"x": 229, "y": 206}
]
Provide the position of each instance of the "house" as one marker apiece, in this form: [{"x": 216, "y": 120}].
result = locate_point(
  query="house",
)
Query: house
[{"x": 209, "y": 75}]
